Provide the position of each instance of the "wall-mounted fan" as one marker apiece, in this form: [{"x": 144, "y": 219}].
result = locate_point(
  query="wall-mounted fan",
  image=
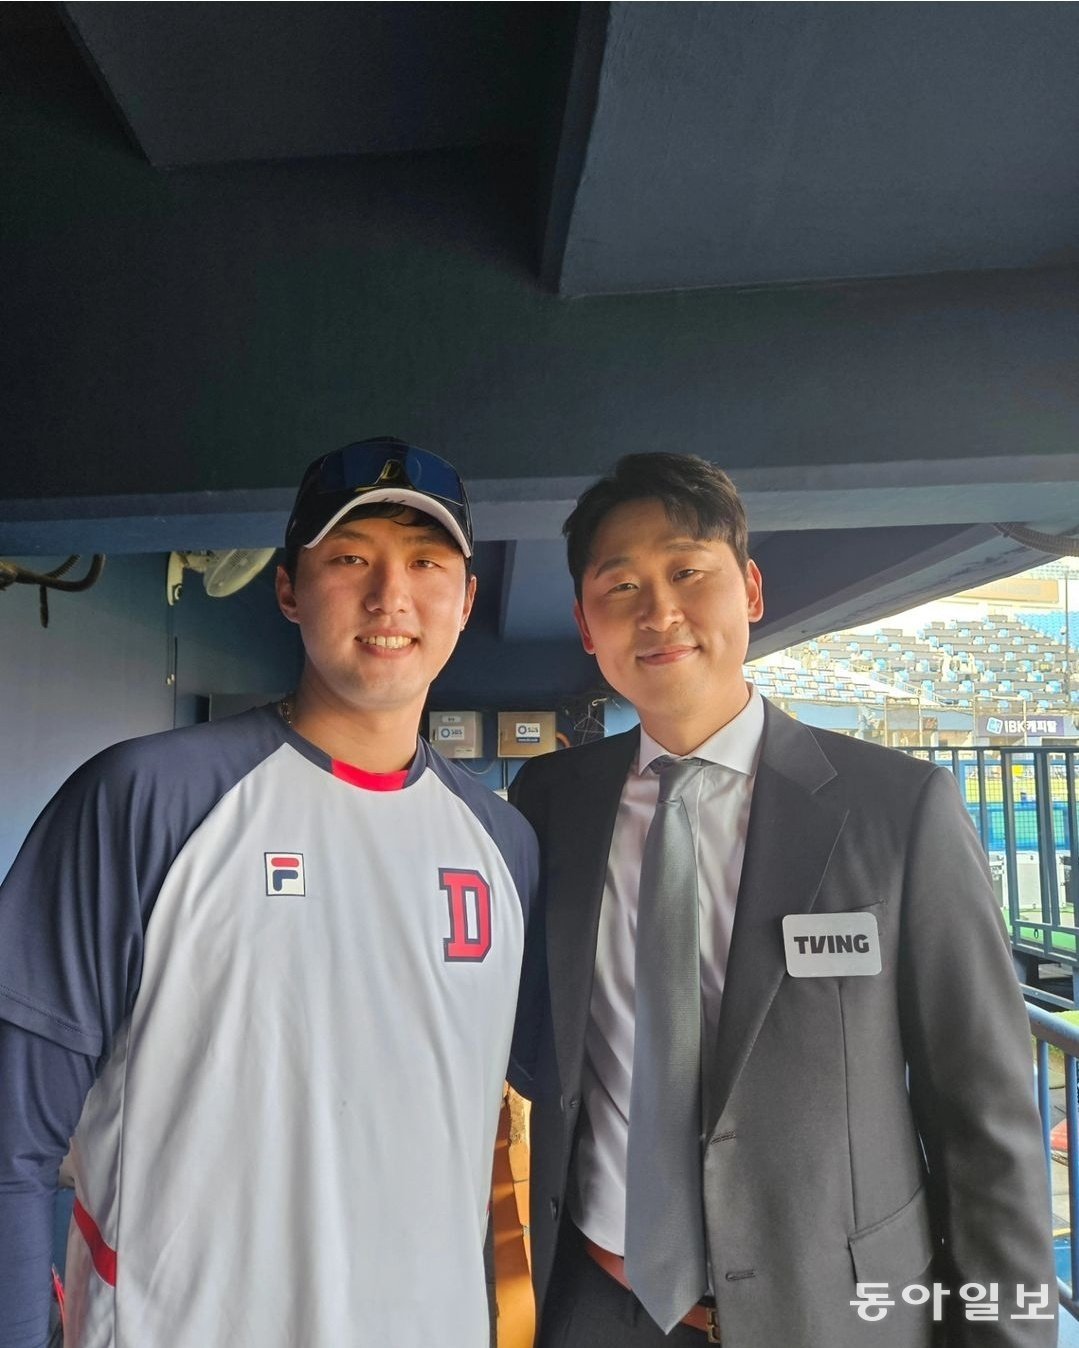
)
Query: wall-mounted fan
[{"x": 223, "y": 573}]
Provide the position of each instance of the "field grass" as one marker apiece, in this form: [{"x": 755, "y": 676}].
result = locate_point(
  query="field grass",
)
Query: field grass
[{"x": 1061, "y": 942}]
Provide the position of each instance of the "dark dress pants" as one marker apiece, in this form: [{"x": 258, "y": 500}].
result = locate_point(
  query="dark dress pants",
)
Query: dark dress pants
[{"x": 587, "y": 1308}]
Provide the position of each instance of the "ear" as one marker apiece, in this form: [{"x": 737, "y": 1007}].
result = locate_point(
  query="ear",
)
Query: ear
[
  {"x": 754, "y": 592},
  {"x": 582, "y": 627},
  {"x": 470, "y": 599},
  {"x": 286, "y": 595}
]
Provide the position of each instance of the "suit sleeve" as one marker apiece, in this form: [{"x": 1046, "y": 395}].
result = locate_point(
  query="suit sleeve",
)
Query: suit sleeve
[
  {"x": 967, "y": 1042},
  {"x": 532, "y": 997}
]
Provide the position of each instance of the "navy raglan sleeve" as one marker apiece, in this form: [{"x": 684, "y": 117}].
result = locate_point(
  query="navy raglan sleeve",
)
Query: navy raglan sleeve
[
  {"x": 70, "y": 918},
  {"x": 44, "y": 1086},
  {"x": 76, "y": 901},
  {"x": 513, "y": 835},
  {"x": 73, "y": 910},
  {"x": 532, "y": 998},
  {"x": 519, "y": 846},
  {"x": 69, "y": 965}
]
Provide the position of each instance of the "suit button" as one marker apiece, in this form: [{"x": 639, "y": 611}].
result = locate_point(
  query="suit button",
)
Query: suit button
[
  {"x": 554, "y": 1209},
  {"x": 574, "y": 1101}
]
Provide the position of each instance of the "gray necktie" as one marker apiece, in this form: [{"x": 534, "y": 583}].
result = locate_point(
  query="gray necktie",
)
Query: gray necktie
[{"x": 665, "y": 1247}]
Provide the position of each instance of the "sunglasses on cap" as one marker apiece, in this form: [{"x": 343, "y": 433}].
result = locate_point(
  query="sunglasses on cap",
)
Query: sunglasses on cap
[{"x": 369, "y": 471}]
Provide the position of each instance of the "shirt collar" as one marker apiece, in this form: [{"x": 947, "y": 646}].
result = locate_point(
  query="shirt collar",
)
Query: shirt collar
[{"x": 735, "y": 745}]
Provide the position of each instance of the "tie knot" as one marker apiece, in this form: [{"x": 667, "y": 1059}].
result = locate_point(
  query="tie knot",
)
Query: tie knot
[{"x": 674, "y": 774}]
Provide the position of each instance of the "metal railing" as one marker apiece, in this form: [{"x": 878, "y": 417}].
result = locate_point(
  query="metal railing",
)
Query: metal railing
[
  {"x": 1051, "y": 1030},
  {"x": 1023, "y": 801}
]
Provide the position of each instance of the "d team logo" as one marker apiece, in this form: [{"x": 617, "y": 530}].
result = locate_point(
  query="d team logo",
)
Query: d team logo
[
  {"x": 284, "y": 873},
  {"x": 469, "y": 897}
]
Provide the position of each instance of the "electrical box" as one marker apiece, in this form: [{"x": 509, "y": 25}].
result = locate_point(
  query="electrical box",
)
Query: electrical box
[
  {"x": 524, "y": 734},
  {"x": 456, "y": 734}
]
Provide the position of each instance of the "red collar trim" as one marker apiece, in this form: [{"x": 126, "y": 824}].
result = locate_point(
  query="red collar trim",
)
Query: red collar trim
[{"x": 370, "y": 781}]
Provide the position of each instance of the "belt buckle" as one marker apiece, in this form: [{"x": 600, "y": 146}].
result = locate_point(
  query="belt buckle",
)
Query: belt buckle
[{"x": 713, "y": 1326}]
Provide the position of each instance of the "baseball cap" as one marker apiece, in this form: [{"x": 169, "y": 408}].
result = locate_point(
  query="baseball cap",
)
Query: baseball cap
[{"x": 381, "y": 469}]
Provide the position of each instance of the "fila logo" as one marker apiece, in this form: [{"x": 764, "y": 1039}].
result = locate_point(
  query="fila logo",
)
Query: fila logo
[
  {"x": 284, "y": 873},
  {"x": 469, "y": 897}
]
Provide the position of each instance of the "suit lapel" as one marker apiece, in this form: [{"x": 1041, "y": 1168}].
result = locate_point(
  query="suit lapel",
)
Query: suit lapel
[
  {"x": 793, "y": 828},
  {"x": 582, "y": 823}
]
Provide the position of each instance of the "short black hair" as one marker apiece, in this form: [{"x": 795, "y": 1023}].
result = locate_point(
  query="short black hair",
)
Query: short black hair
[
  {"x": 694, "y": 493},
  {"x": 379, "y": 510}
]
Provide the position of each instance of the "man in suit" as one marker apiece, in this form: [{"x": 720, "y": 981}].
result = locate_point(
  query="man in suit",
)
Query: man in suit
[{"x": 863, "y": 1124}]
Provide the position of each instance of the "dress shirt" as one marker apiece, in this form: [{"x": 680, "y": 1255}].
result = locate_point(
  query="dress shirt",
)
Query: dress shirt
[{"x": 718, "y": 802}]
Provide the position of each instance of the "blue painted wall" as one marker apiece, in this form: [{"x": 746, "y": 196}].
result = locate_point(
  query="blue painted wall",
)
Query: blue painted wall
[{"x": 99, "y": 673}]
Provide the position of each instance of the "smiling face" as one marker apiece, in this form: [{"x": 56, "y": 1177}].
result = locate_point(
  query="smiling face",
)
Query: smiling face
[
  {"x": 380, "y": 604},
  {"x": 667, "y": 617}
]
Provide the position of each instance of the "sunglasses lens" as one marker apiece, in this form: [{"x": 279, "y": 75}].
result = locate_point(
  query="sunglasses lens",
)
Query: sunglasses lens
[
  {"x": 433, "y": 475},
  {"x": 361, "y": 465},
  {"x": 356, "y": 466}
]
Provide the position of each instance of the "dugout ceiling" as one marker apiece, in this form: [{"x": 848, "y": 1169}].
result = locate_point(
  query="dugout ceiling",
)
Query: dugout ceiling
[{"x": 832, "y": 247}]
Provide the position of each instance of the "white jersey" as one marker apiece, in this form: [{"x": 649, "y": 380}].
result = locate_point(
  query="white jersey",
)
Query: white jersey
[{"x": 289, "y": 1144}]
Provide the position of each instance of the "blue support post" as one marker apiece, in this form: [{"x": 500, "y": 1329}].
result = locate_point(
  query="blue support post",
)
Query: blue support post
[
  {"x": 1044, "y": 1108},
  {"x": 1047, "y": 855},
  {"x": 1072, "y": 1113},
  {"x": 983, "y": 803}
]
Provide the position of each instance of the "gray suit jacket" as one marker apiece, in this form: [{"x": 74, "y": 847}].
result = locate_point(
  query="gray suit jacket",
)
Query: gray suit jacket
[{"x": 822, "y": 1169}]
